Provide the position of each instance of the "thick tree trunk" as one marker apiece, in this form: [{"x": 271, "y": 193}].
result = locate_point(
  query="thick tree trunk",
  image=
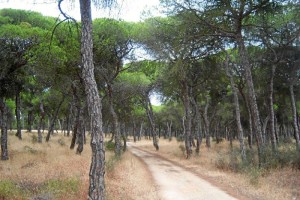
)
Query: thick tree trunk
[
  {"x": 97, "y": 169},
  {"x": 18, "y": 114},
  {"x": 294, "y": 111},
  {"x": 4, "y": 114},
  {"x": 237, "y": 112}
]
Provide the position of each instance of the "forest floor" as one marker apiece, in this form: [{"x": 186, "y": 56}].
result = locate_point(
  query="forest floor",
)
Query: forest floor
[{"x": 53, "y": 171}]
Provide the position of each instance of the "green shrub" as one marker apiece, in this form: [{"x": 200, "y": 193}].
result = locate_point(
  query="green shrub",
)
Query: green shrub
[{"x": 109, "y": 146}]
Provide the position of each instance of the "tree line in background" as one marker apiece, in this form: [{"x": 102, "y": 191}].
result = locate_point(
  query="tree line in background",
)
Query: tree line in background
[{"x": 224, "y": 70}]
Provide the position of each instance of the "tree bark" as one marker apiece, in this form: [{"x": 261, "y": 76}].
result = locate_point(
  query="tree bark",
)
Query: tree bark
[
  {"x": 54, "y": 117},
  {"x": 18, "y": 112},
  {"x": 97, "y": 169},
  {"x": 244, "y": 59},
  {"x": 207, "y": 123},
  {"x": 237, "y": 111},
  {"x": 294, "y": 111},
  {"x": 198, "y": 125},
  {"x": 150, "y": 115},
  {"x": 188, "y": 118},
  {"x": 4, "y": 113},
  {"x": 271, "y": 107},
  {"x": 116, "y": 126}
]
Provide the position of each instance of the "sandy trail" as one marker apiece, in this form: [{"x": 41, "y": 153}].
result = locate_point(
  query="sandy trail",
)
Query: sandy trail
[{"x": 177, "y": 183}]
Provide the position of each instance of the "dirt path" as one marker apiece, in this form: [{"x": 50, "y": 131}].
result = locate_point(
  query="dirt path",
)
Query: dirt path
[{"x": 175, "y": 182}]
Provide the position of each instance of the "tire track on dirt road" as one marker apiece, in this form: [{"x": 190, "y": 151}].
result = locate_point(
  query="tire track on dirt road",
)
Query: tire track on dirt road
[{"x": 177, "y": 183}]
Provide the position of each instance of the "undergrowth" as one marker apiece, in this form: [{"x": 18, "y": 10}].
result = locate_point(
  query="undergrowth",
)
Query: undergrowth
[{"x": 285, "y": 156}]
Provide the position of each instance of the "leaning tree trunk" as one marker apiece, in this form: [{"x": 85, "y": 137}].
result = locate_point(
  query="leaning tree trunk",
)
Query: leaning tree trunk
[
  {"x": 18, "y": 112},
  {"x": 237, "y": 111},
  {"x": 54, "y": 117},
  {"x": 294, "y": 110},
  {"x": 244, "y": 59},
  {"x": 97, "y": 169},
  {"x": 4, "y": 113}
]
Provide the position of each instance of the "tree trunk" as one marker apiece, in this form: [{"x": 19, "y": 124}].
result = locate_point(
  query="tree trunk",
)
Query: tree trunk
[
  {"x": 141, "y": 131},
  {"x": 54, "y": 117},
  {"x": 97, "y": 169},
  {"x": 151, "y": 120},
  {"x": 198, "y": 125},
  {"x": 18, "y": 112},
  {"x": 237, "y": 111},
  {"x": 294, "y": 110},
  {"x": 244, "y": 59},
  {"x": 271, "y": 107},
  {"x": 207, "y": 123},
  {"x": 4, "y": 113},
  {"x": 30, "y": 118},
  {"x": 42, "y": 118},
  {"x": 188, "y": 118},
  {"x": 116, "y": 126}
]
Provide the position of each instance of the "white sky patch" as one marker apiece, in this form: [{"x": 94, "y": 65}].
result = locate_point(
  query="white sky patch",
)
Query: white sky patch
[{"x": 128, "y": 10}]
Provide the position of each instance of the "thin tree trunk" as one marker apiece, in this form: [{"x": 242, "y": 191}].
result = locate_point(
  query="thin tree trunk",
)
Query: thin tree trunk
[
  {"x": 141, "y": 131},
  {"x": 207, "y": 123},
  {"x": 42, "y": 118},
  {"x": 115, "y": 127},
  {"x": 188, "y": 118},
  {"x": 97, "y": 169},
  {"x": 271, "y": 107},
  {"x": 54, "y": 117},
  {"x": 198, "y": 125},
  {"x": 4, "y": 113},
  {"x": 294, "y": 110},
  {"x": 30, "y": 118},
  {"x": 244, "y": 59},
  {"x": 237, "y": 111},
  {"x": 18, "y": 116},
  {"x": 151, "y": 120}
]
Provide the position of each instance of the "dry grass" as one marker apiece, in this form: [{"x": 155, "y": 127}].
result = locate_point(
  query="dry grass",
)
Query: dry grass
[
  {"x": 53, "y": 171},
  {"x": 278, "y": 184}
]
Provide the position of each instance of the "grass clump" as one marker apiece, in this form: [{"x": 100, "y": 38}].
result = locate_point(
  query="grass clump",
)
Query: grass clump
[
  {"x": 59, "y": 187},
  {"x": 9, "y": 190}
]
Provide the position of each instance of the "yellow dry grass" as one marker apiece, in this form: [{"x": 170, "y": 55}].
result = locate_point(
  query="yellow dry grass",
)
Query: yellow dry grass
[{"x": 32, "y": 165}]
